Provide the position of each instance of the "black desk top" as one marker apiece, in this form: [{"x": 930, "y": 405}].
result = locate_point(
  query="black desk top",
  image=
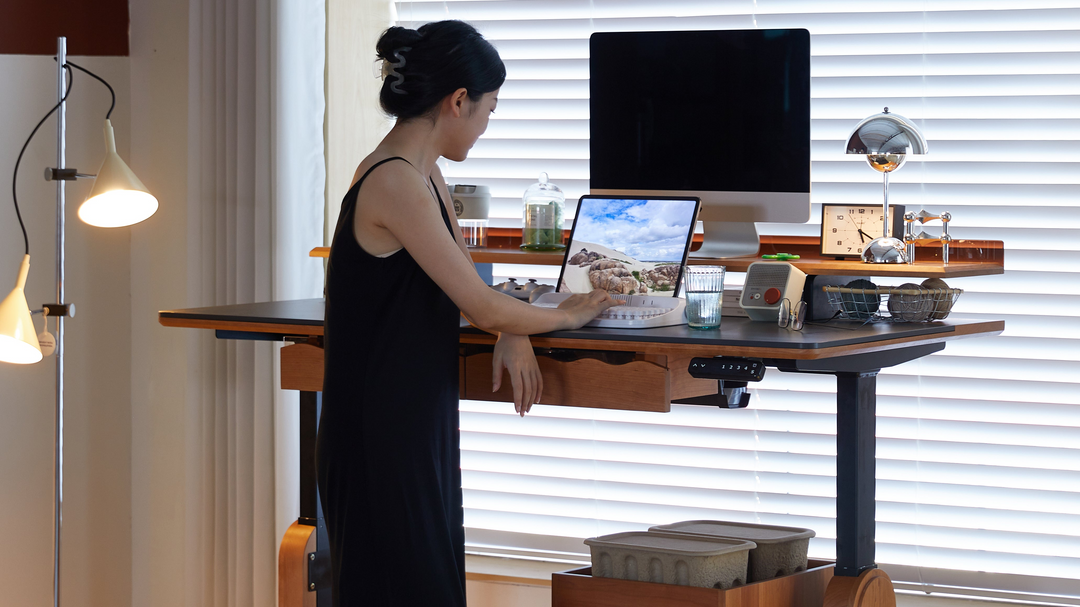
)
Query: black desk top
[
  {"x": 304, "y": 312},
  {"x": 305, "y": 317}
]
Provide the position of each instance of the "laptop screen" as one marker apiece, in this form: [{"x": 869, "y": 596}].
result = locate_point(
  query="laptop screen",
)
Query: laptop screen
[{"x": 628, "y": 246}]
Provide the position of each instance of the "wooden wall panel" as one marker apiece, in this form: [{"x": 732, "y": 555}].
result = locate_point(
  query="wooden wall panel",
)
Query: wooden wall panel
[{"x": 98, "y": 28}]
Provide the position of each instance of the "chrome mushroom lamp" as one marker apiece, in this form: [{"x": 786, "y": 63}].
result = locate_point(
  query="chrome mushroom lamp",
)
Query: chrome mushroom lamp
[{"x": 886, "y": 140}]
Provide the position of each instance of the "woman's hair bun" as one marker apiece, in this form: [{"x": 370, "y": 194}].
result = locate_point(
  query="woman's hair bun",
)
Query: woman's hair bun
[
  {"x": 431, "y": 62},
  {"x": 394, "y": 39}
]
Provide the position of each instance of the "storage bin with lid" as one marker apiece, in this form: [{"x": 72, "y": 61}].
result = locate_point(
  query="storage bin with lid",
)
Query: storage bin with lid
[
  {"x": 670, "y": 558},
  {"x": 779, "y": 550}
]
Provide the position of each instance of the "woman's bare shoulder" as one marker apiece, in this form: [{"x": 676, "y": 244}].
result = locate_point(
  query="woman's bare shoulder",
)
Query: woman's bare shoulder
[{"x": 375, "y": 158}]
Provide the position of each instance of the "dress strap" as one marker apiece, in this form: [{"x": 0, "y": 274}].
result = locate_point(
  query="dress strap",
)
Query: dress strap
[
  {"x": 354, "y": 192},
  {"x": 356, "y": 186},
  {"x": 442, "y": 207}
]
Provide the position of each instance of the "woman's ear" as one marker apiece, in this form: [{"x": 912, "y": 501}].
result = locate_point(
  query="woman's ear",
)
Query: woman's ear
[{"x": 457, "y": 102}]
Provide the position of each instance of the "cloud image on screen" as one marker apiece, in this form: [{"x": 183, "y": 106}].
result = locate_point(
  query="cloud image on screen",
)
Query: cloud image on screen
[{"x": 647, "y": 230}]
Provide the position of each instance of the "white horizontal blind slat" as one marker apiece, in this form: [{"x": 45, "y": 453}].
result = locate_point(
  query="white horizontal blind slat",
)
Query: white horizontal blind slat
[{"x": 978, "y": 446}]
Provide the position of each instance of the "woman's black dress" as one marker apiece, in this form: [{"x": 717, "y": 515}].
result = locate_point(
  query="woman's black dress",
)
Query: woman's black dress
[{"x": 388, "y": 448}]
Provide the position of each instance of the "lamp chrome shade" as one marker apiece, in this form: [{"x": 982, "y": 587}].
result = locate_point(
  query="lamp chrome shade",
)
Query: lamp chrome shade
[
  {"x": 18, "y": 339},
  {"x": 118, "y": 198},
  {"x": 886, "y": 133}
]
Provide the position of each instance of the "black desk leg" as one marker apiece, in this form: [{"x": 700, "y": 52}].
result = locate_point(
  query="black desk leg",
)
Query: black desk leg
[
  {"x": 310, "y": 506},
  {"x": 856, "y": 443}
]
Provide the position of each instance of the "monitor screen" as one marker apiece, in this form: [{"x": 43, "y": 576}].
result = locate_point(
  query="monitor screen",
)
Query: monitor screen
[
  {"x": 721, "y": 115},
  {"x": 628, "y": 246}
]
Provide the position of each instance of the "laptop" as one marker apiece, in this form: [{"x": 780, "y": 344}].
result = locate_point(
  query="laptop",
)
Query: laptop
[
  {"x": 633, "y": 247},
  {"x": 629, "y": 245}
]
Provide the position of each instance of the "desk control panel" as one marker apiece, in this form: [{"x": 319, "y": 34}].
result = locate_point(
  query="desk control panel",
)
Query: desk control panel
[
  {"x": 727, "y": 368},
  {"x": 732, "y": 373}
]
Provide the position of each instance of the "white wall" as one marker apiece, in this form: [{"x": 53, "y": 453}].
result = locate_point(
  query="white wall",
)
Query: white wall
[
  {"x": 159, "y": 274},
  {"x": 96, "y": 554}
]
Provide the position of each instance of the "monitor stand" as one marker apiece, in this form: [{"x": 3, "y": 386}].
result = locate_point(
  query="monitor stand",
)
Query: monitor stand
[{"x": 728, "y": 239}]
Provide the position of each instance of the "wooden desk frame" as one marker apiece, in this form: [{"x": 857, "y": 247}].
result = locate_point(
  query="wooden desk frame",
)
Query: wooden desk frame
[{"x": 856, "y": 580}]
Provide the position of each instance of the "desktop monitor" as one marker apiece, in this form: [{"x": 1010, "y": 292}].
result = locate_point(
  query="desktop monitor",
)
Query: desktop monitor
[{"x": 720, "y": 115}]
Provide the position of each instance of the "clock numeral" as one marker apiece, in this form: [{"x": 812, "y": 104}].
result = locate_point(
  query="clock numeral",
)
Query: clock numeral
[
  {"x": 839, "y": 217},
  {"x": 861, "y": 211},
  {"x": 849, "y": 248},
  {"x": 834, "y": 230},
  {"x": 840, "y": 243}
]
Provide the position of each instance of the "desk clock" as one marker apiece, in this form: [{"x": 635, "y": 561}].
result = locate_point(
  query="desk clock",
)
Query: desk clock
[{"x": 846, "y": 229}]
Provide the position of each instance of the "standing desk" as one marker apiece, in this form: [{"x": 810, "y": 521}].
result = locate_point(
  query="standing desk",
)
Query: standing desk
[{"x": 649, "y": 368}]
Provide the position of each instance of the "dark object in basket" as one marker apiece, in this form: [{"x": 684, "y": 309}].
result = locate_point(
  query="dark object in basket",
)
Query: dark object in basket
[
  {"x": 863, "y": 302},
  {"x": 943, "y": 297},
  {"x": 910, "y": 303}
]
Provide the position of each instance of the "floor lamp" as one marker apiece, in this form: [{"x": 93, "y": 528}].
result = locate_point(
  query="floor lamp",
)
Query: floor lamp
[{"x": 117, "y": 199}]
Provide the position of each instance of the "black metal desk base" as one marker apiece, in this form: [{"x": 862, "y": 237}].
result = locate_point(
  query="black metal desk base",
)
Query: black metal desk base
[
  {"x": 311, "y": 512},
  {"x": 856, "y": 446}
]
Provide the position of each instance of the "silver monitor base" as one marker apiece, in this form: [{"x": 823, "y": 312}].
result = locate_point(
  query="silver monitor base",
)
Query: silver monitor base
[{"x": 728, "y": 239}]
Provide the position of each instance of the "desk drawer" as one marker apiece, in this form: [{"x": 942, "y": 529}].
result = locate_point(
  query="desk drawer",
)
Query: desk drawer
[
  {"x": 591, "y": 378},
  {"x": 580, "y": 378}
]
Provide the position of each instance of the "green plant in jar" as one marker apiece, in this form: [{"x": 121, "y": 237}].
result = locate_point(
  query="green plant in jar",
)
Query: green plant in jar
[{"x": 542, "y": 217}]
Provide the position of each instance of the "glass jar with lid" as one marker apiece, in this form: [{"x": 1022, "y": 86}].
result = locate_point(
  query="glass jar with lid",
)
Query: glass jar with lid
[{"x": 542, "y": 218}]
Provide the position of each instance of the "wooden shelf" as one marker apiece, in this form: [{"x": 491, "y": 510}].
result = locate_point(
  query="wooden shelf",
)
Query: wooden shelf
[
  {"x": 577, "y": 588},
  {"x": 966, "y": 257}
]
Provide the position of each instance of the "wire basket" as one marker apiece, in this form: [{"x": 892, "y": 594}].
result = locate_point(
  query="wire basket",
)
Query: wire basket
[{"x": 895, "y": 304}]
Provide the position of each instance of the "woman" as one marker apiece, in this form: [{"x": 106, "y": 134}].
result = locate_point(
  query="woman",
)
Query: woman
[{"x": 398, "y": 278}]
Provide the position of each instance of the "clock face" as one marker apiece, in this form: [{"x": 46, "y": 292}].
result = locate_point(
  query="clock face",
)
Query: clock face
[{"x": 847, "y": 229}]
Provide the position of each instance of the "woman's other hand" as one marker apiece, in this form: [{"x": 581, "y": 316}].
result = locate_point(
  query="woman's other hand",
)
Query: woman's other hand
[
  {"x": 515, "y": 354},
  {"x": 584, "y": 307}
]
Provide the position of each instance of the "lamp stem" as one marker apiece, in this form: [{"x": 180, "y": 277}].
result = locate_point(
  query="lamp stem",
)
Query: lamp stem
[
  {"x": 58, "y": 455},
  {"x": 885, "y": 209}
]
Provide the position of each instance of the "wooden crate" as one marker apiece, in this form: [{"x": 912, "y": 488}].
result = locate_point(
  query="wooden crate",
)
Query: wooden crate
[{"x": 577, "y": 588}]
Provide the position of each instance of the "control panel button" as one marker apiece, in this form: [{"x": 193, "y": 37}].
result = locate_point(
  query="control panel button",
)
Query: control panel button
[{"x": 772, "y": 295}]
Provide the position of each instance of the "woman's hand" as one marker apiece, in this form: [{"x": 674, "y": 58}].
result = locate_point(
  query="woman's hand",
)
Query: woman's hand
[
  {"x": 583, "y": 307},
  {"x": 515, "y": 354}
]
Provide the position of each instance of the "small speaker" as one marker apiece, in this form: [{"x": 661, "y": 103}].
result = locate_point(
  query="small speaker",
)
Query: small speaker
[{"x": 768, "y": 283}]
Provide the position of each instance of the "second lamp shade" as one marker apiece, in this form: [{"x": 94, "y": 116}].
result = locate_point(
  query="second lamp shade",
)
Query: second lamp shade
[{"x": 118, "y": 198}]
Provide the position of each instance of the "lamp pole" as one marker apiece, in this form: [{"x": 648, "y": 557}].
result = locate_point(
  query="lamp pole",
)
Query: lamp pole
[{"x": 58, "y": 455}]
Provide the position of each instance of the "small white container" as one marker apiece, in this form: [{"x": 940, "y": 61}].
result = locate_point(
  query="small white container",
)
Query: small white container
[
  {"x": 779, "y": 550},
  {"x": 669, "y": 558},
  {"x": 471, "y": 205}
]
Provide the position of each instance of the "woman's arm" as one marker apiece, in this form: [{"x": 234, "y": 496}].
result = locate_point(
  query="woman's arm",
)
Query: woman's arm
[
  {"x": 411, "y": 214},
  {"x": 513, "y": 353}
]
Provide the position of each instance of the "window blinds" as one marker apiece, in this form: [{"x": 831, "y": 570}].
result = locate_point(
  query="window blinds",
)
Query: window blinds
[{"x": 978, "y": 446}]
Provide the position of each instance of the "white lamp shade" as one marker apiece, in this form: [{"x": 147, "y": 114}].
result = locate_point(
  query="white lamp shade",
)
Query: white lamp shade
[
  {"x": 118, "y": 198},
  {"x": 18, "y": 339}
]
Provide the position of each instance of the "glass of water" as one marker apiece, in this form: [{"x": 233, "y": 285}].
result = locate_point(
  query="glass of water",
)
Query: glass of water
[{"x": 704, "y": 288}]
